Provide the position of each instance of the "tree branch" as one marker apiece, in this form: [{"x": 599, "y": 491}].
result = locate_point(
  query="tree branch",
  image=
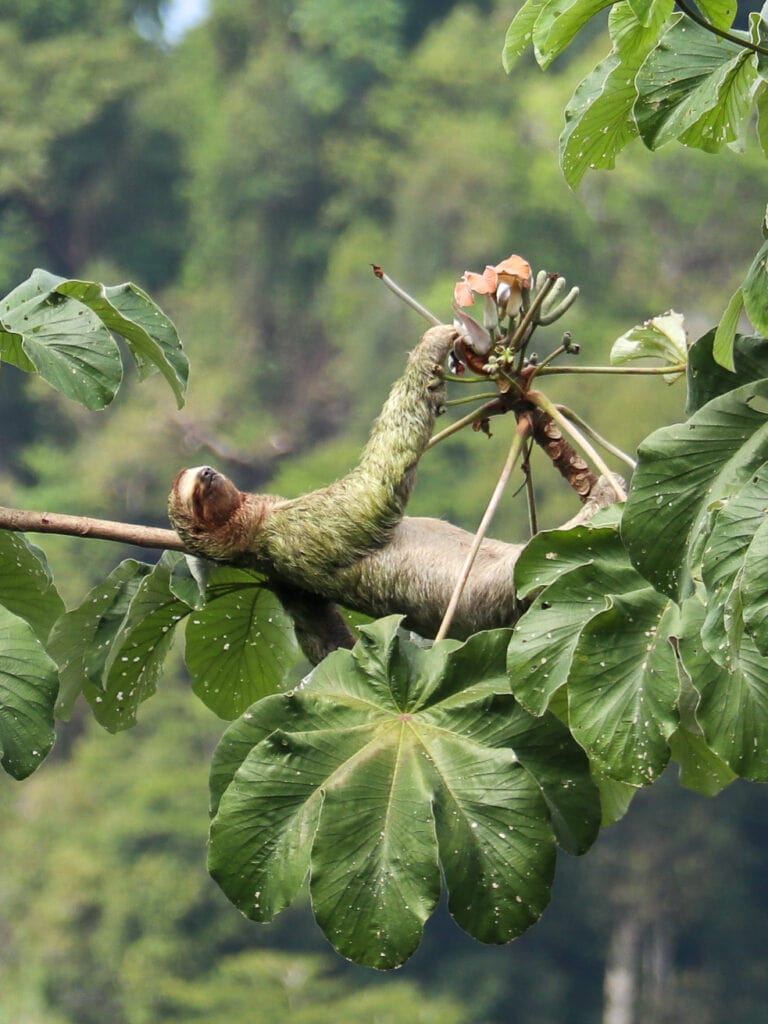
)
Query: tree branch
[{"x": 83, "y": 526}]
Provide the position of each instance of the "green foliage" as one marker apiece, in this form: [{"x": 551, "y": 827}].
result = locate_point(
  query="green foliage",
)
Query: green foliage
[
  {"x": 392, "y": 763},
  {"x": 63, "y": 330},
  {"x": 621, "y": 683},
  {"x": 308, "y": 148},
  {"x": 108, "y": 912},
  {"x": 240, "y": 646},
  {"x": 240, "y": 643},
  {"x": 29, "y": 605},
  {"x": 28, "y": 684},
  {"x": 666, "y": 78}
]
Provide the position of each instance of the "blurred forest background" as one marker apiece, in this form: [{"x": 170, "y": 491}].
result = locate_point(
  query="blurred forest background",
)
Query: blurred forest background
[{"x": 247, "y": 175}]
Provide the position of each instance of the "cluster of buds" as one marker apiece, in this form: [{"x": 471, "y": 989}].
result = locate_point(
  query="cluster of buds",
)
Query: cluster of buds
[{"x": 513, "y": 306}]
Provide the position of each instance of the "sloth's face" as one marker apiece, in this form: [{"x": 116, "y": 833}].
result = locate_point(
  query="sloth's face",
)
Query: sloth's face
[{"x": 201, "y": 500}]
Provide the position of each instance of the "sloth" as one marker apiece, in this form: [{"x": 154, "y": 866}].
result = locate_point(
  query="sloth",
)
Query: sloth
[{"x": 349, "y": 543}]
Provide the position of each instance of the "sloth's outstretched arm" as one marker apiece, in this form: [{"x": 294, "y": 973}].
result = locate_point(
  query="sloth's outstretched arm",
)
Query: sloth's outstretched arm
[
  {"x": 305, "y": 540},
  {"x": 348, "y": 542}
]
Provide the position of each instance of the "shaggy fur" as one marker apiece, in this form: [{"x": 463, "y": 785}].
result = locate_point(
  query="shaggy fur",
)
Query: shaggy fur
[{"x": 348, "y": 542}]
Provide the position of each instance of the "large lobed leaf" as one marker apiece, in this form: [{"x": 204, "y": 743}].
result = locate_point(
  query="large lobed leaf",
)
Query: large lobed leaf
[
  {"x": 695, "y": 526},
  {"x": 392, "y": 762},
  {"x": 599, "y": 120},
  {"x": 598, "y": 633},
  {"x": 63, "y": 330},
  {"x": 683, "y": 472}
]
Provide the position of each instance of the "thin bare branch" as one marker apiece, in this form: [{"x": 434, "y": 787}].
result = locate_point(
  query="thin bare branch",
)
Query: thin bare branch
[
  {"x": 516, "y": 448},
  {"x": 488, "y": 409},
  {"x": 401, "y": 293},
  {"x": 21, "y": 520},
  {"x": 602, "y": 441}
]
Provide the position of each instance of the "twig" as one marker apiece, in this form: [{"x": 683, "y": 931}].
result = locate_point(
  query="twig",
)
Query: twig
[
  {"x": 401, "y": 293},
  {"x": 519, "y": 340},
  {"x": 83, "y": 526},
  {"x": 602, "y": 441},
  {"x": 480, "y": 413},
  {"x": 521, "y": 433},
  {"x": 472, "y": 398},
  {"x": 456, "y": 378}
]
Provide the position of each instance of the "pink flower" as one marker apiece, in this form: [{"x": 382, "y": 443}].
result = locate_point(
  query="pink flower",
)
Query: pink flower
[{"x": 512, "y": 274}]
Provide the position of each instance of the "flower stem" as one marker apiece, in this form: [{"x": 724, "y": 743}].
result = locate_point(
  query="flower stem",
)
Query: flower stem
[
  {"x": 533, "y": 520},
  {"x": 401, "y": 293},
  {"x": 519, "y": 340},
  {"x": 518, "y": 441},
  {"x": 545, "y": 371}
]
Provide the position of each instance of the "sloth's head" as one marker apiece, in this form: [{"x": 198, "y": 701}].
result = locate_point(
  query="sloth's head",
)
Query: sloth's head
[{"x": 203, "y": 506}]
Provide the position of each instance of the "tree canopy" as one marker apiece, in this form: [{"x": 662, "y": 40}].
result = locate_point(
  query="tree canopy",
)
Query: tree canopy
[{"x": 278, "y": 155}]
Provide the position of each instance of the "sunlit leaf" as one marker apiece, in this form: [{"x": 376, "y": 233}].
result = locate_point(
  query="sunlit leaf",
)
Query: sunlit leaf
[
  {"x": 63, "y": 330},
  {"x": 28, "y": 686},
  {"x": 519, "y": 33},
  {"x": 599, "y": 120},
  {"x": 663, "y": 337},
  {"x": 64, "y": 341},
  {"x": 558, "y": 23},
  {"x": 635, "y": 28},
  {"x": 719, "y": 12},
  {"x": 755, "y": 289},
  {"x": 693, "y": 86},
  {"x": 725, "y": 334},
  {"x": 392, "y": 762},
  {"x": 150, "y": 335},
  {"x": 641, "y": 9}
]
